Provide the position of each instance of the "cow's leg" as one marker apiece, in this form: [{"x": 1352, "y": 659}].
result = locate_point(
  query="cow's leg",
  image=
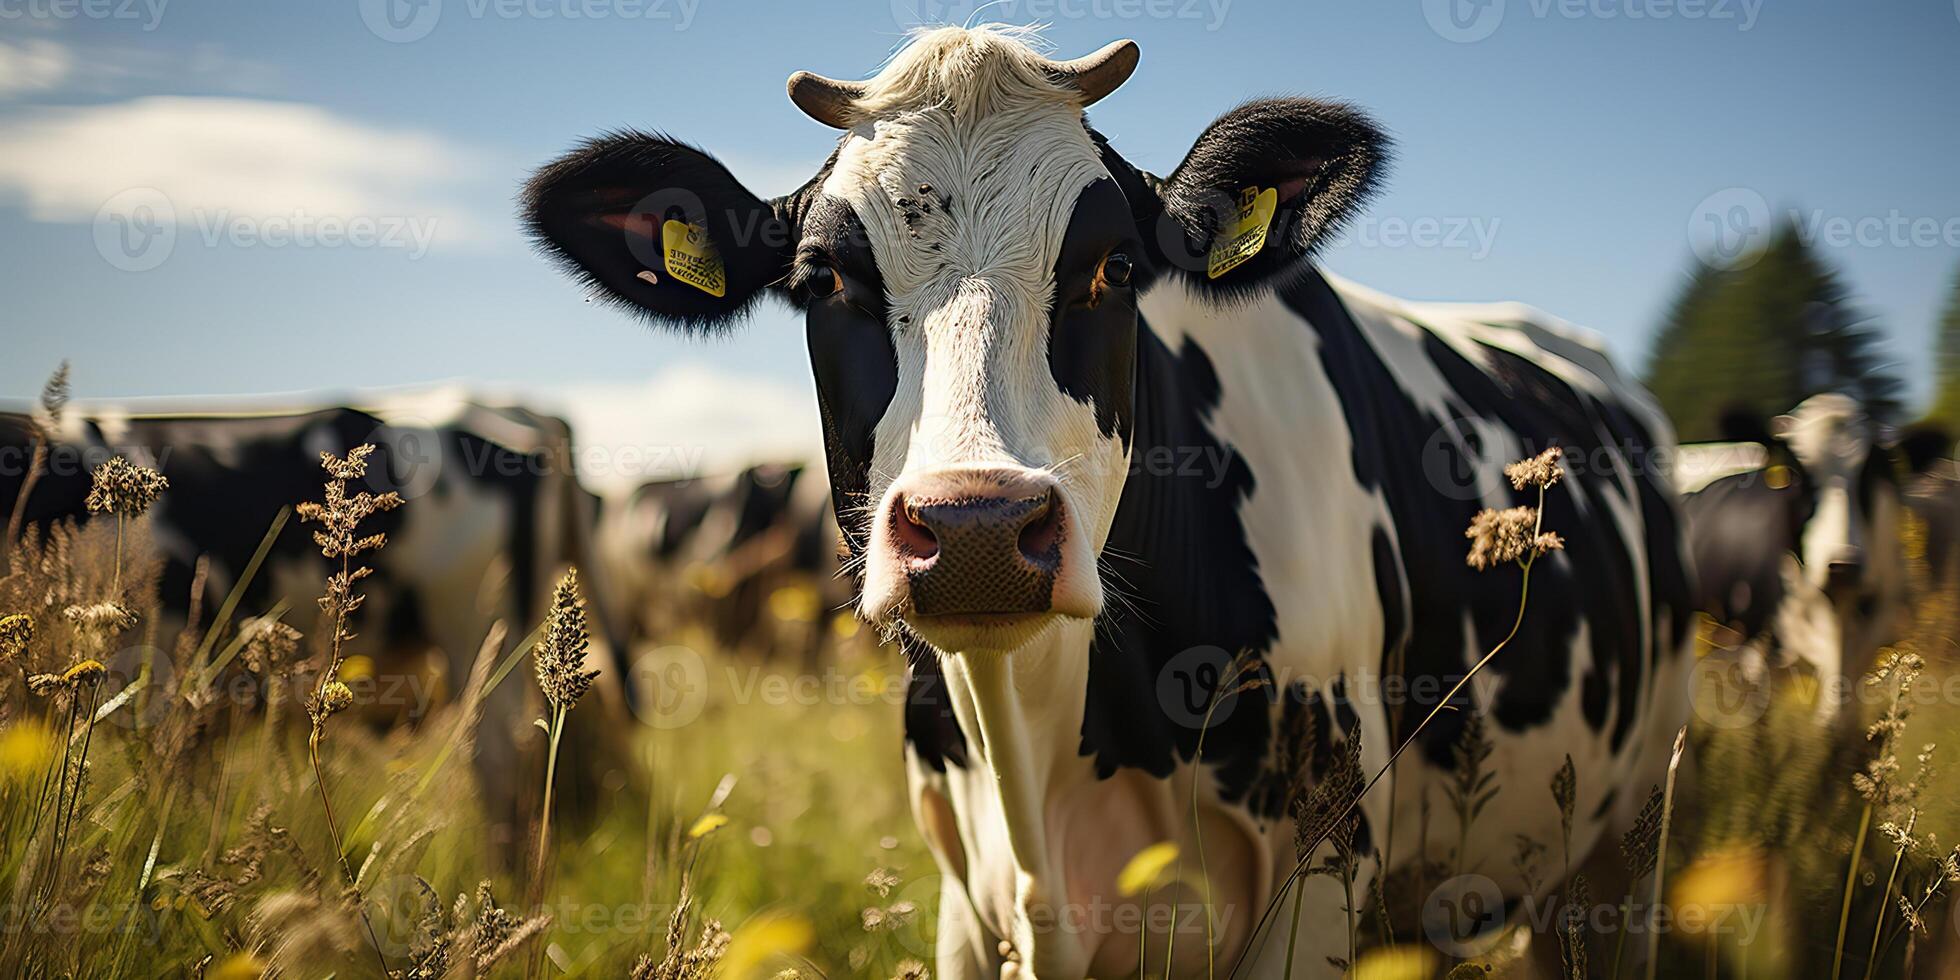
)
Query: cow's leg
[
  {"x": 963, "y": 949},
  {"x": 1322, "y": 939}
]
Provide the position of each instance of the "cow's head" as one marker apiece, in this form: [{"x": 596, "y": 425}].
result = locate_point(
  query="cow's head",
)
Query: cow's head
[
  {"x": 968, "y": 262},
  {"x": 1845, "y": 491}
]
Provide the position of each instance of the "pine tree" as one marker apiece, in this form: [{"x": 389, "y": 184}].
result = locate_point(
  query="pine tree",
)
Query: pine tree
[{"x": 1763, "y": 335}]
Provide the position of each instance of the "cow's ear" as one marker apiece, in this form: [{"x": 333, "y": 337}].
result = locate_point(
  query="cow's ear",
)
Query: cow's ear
[
  {"x": 1267, "y": 184},
  {"x": 657, "y": 227}
]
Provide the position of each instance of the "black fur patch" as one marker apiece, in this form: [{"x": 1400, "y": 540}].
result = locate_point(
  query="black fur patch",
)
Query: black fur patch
[
  {"x": 1193, "y": 602},
  {"x": 1416, "y": 460},
  {"x": 1092, "y": 329}
]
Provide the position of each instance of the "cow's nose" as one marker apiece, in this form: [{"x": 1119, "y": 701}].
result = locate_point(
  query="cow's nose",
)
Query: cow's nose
[{"x": 994, "y": 551}]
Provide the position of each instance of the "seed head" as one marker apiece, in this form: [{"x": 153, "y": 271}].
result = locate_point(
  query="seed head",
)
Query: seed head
[
  {"x": 1640, "y": 845},
  {"x": 123, "y": 488},
  {"x": 1539, "y": 471},
  {"x": 54, "y": 397},
  {"x": 1565, "y": 790},
  {"x": 1498, "y": 537},
  {"x": 339, "y": 512},
  {"x": 560, "y": 657},
  {"x": 16, "y": 632},
  {"x": 269, "y": 644},
  {"x": 333, "y": 699},
  {"x": 101, "y": 618},
  {"x": 1320, "y": 813}
]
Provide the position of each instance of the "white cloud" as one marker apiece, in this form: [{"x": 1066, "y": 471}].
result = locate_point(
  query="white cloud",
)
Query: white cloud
[
  {"x": 34, "y": 65},
  {"x": 225, "y": 159},
  {"x": 688, "y": 419}
]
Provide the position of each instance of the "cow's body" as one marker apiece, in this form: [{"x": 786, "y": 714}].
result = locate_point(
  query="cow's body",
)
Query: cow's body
[
  {"x": 1799, "y": 556},
  {"x": 1097, "y": 436},
  {"x": 751, "y": 556},
  {"x": 493, "y": 512},
  {"x": 1334, "y": 408}
]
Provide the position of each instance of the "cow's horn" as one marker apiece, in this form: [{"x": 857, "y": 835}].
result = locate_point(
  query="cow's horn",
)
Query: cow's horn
[
  {"x": 826, "y": 100},
  {"x": 1096, "y": 75}
]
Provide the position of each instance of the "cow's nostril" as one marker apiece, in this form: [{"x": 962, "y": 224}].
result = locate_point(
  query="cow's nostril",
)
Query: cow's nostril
[
  {"x": 913, "y": 535},
  {"x": 1042, "y": 535}
]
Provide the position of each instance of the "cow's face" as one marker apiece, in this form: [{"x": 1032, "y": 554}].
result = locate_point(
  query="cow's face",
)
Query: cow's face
[
  {"x": 1850, "y": 539},
  {"x": 968, "y": 263}
]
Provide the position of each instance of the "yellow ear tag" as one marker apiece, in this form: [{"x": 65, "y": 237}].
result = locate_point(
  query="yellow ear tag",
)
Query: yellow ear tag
[
  {"x": 692, "y": 258},
  {"x": 1777, "y": 477},
  {"x": 1247, "y": 235}
]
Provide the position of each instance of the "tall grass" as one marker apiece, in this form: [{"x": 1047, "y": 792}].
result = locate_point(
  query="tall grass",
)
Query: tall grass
[{"x": 165, "y": 812}]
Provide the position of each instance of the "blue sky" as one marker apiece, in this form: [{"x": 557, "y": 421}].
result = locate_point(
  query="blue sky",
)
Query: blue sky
[{"x": 1559, "y": 152}]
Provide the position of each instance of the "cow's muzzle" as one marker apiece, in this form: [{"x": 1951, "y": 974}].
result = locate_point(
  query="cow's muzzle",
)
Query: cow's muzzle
[{"x": 989, "y": 545}]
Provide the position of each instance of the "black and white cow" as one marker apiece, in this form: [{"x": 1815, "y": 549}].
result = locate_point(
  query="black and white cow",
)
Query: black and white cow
[
  {"x": 1797, "y": 551},
  {"x": 717, "y": 550},
  {"x": 1084, "y": 454},
  {"x": 1932, "y": 494},
  {"x": 493, "y": 514}
]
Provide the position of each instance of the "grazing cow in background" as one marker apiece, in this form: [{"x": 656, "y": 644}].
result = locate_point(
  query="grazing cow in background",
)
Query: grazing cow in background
[
  {"x": 751, "y": 557},
  {"x": 1932, "y": 494},
  {"x": 1093, "y": 432},
  {"x": 493, "y": 514},
  {"x": 1800, "y": 557}
]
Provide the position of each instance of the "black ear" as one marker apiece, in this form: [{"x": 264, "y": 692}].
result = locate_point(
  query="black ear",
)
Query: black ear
[
  {"x": 1320, "y": 161},
  {"x": 657, "y": 227}
]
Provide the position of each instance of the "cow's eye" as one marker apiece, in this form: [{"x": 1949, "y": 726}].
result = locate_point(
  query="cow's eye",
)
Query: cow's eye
[
  {"x": 1116, "y": 269},
  {"x": 819, "y": 281}
]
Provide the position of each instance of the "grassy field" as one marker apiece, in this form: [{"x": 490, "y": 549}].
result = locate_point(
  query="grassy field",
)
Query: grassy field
[{"x": 758, "y": 824}]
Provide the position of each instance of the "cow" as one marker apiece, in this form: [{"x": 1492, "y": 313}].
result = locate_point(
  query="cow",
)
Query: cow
[
  {"x": 1932, "y": 494},
  {"x": 751, "y": 556},
  {"x": 493, "y": 513},
  {"x": 1099, "y": 440},
  {"x": 1798, "y": 557}
]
